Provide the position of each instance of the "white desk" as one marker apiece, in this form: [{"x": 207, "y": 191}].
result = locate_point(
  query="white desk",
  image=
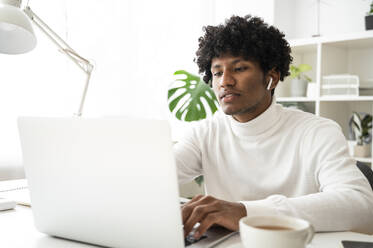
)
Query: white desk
[{"x": 17, "y": 231}]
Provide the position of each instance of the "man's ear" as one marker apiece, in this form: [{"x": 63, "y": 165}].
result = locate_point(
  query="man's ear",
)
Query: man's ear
[{"x": 275, "y": 75}]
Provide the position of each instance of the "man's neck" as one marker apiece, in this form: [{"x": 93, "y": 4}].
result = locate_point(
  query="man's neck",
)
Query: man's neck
[{"x": 256, "y": 111}]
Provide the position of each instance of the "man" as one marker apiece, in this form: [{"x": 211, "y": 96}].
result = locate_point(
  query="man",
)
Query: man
[{"x": 257, "y": 157}]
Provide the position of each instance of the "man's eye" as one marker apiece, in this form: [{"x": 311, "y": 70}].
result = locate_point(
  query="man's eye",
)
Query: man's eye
[
  {"x": 217, "y": 74},
  {"x": 240, "y": 68}
]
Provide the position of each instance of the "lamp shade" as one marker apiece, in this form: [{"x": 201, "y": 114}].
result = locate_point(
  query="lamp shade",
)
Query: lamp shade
[{"x": 16, "y": 33}]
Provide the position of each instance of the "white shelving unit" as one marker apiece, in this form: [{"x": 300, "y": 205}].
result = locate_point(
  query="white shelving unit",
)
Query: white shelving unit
[{"x": 340, "y": 54}]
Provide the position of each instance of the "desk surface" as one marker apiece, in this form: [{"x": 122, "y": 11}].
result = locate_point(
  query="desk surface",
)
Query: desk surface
[{"x": 17, "y": 231}]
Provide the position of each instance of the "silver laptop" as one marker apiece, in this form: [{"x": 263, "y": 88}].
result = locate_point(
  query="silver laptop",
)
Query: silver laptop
[{"x": 110, "y": 182}]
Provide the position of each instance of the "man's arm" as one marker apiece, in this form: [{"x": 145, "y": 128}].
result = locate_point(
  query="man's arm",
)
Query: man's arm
[
  {"x": 188, "y": 156},
  {"x": 206, "y": 210},
  {"x": 345, "y": 200}
]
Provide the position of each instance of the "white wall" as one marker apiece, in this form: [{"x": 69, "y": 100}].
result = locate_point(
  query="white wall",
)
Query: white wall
[
  {"x": 136, "y": 45},
  {"x": 264, "y": 9},
  {"x": 33, "y": 83}
]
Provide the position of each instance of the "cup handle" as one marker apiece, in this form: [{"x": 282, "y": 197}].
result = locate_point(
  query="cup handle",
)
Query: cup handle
[{"x": 311, "y": 233}]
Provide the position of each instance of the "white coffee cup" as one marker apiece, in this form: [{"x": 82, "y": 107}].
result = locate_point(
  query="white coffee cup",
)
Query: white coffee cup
[{"x": 275, "y": 232}]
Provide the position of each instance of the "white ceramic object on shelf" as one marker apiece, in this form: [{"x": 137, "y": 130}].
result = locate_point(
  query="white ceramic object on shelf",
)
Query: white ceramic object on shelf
[
  {"x": 311, "y": 90},
  {"x": 362, "y": 151},
  {"x": 298, "y": 87}
]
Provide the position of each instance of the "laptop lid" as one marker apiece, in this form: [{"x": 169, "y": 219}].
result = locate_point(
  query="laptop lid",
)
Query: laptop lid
[{"x": 110, "y": 182}]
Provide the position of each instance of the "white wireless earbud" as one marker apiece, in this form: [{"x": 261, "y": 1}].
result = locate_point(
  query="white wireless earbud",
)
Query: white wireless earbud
[{"x": 270, "y": 83}]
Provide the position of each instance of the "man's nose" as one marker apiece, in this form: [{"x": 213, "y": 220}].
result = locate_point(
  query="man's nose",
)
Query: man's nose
[{"x": 227, "y": 79}]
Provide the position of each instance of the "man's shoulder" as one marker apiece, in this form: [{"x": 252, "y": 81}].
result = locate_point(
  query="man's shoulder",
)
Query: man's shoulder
[{"x": 308, "y": 121}]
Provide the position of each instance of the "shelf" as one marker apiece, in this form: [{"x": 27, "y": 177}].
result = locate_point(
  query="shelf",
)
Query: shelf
[
  {"x": 355, "y": 40},
  {"x": 335, "y": 54},
  {"x": 306, "y": 42},
  {"x": 294, "y": 99},
  {"x": 327, "y": 99},
  {"x": 364, "y": 160},
  {"x": 345, "y": 98}
]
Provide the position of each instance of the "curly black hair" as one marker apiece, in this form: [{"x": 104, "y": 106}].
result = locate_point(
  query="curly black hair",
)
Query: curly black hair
[{"x": 248, "y": 37}]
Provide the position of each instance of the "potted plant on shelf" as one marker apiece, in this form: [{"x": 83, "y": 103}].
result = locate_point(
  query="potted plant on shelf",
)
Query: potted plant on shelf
[
  {"x": 300, "y": 80},
  {"x": 361, "y": 127},
  {"x": 185, "y": 100},
  {"x": 369, "y": 18}
]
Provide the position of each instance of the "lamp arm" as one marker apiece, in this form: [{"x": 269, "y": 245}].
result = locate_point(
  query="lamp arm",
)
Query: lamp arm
[{"x": 81, "y": 62}]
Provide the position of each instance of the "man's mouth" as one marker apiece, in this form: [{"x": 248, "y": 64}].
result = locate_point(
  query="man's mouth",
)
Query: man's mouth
[{"x": 229, "y": 97}]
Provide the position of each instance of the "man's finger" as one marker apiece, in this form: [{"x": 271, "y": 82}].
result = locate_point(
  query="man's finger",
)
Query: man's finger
[
  {"x": 195, "y": 198},
  {"x": 206, "y": 223},
  {"x": 197, "y": 215},
  {"x": 188, "y": 207}
]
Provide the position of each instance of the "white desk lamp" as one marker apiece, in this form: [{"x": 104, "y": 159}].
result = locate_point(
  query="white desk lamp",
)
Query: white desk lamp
[{"x": 17, "y": 36}]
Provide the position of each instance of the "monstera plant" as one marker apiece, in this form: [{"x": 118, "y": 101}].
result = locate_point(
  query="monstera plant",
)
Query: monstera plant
[
  {"x": 185, "y": 94},
  {"x": 184, "y": 100}
]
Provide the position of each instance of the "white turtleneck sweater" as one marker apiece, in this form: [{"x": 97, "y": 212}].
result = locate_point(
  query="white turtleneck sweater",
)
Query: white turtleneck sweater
[{"x": 282, "y": 162}]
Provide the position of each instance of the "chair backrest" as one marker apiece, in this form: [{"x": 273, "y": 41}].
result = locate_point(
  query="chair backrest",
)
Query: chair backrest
[{"x": 367, "y": 171}]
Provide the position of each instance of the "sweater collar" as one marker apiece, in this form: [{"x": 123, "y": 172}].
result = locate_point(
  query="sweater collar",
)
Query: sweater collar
[{"x": 258, "y": 125}]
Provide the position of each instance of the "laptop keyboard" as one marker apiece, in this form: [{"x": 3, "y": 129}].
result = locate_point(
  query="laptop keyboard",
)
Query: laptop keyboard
[{"x": 191, "y": 240}]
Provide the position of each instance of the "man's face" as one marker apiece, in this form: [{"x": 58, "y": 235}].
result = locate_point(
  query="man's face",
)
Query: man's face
[{"x": 240, "y": 87}]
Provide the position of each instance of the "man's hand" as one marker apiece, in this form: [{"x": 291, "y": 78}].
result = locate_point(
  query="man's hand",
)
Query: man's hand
[{"x": 208, "y": 211}]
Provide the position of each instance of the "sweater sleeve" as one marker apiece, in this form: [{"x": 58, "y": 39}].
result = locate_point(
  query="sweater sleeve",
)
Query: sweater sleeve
[
  {"x": 345, "y": 198},
  {"x": 187, "y": 153}
]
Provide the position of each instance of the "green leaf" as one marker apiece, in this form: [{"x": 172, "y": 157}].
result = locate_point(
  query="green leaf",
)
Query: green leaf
[
  {"x": 294, "y": 71},
  {"x": 304, "y": 67},
  {"x": 199, "y": 180},
  {"x": 357, "y": 128},
  {"x": 185, "y": 101},
  {"x": 307, "y": 78},
  {"x": 171, "y": 92},
  {"x": 298, "y": 71},
  {"x": 175, "y": 101}
]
